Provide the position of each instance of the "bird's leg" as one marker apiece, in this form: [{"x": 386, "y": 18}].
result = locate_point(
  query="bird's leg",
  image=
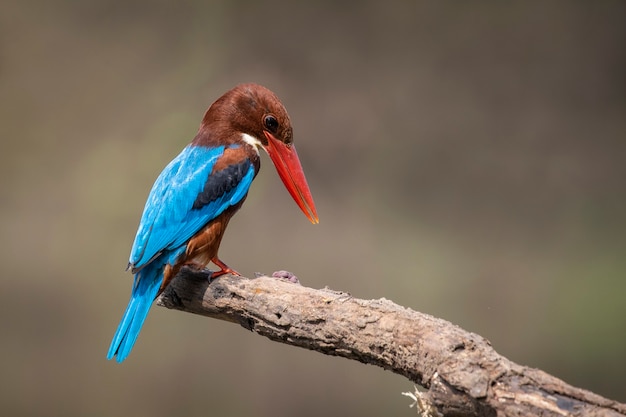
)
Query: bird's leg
[{"x": 224, "y": 269}]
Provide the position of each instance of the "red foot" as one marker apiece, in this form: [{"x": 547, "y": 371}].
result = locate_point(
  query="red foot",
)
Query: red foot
[{"x": 224, "y": 269}]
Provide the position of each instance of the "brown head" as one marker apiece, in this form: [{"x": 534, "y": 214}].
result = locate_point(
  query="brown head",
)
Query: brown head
[
  {"x": 250, "y": 114},
  {"x": 251, "y": 109}
]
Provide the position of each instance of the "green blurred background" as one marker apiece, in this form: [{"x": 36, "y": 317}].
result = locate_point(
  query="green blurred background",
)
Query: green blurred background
[{"x": 467, "y": 161}]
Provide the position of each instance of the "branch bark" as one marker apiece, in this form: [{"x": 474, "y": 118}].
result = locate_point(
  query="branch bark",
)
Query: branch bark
[{"x": 462, "y": 374}]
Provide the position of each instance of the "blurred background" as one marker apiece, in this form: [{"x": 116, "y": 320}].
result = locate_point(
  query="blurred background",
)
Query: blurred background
[{"x": 467, "y": 161}]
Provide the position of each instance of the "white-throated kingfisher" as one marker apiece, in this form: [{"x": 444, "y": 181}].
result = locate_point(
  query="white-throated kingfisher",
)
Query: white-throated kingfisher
[{"x": 197, "y": 193}]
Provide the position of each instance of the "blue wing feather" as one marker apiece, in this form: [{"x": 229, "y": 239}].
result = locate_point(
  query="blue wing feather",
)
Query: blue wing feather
[
  {"x": 172, "y": 215},
  {"x": 169, "y": 219}
]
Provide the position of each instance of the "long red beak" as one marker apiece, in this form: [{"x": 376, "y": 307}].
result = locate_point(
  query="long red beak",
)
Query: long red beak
[{"x": 285, "y": 159}]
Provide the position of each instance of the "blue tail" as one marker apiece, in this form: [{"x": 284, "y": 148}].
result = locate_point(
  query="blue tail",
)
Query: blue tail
[{"x": 146, "y": 286}]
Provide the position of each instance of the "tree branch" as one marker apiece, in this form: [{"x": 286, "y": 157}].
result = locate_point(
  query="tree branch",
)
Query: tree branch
[{"x": 463, "y": 374}]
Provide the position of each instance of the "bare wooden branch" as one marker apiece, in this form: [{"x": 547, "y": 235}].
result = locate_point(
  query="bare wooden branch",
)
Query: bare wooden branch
[{"x": 462, "y": 373}]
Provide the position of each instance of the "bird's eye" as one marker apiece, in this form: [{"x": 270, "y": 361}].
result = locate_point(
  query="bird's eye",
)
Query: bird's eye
[{"x": 271, "y": 123}]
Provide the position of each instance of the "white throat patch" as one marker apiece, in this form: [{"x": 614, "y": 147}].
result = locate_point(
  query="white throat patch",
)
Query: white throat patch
[{"x": 251, "y": 140}]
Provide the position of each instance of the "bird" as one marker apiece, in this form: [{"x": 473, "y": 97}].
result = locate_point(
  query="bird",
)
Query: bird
[{"x": 199, "y": 191}]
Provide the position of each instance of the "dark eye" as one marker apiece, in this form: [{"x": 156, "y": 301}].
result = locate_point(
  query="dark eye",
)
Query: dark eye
[{"x": 271, "y": 123}]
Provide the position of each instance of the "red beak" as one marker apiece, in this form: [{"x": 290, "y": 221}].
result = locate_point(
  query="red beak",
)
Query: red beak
[{"x": 289, "y": 169}]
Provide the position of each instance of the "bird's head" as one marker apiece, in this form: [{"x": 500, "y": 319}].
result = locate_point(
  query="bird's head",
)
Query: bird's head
[{"x": 251, "y": 114}]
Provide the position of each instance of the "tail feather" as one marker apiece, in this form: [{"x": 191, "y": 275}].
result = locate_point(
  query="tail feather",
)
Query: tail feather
[{"x": 145, "y": 289}]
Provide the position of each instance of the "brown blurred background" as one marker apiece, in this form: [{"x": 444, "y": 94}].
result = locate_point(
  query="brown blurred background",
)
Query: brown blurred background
[{"x": 467, "y": 161}]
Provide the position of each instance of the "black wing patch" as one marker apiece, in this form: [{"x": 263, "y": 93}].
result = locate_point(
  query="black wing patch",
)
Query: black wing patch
[{"x": 221, "y": 182}]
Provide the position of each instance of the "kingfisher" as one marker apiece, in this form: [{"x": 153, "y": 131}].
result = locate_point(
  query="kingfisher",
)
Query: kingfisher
[{"x": 199, "y": 191}]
